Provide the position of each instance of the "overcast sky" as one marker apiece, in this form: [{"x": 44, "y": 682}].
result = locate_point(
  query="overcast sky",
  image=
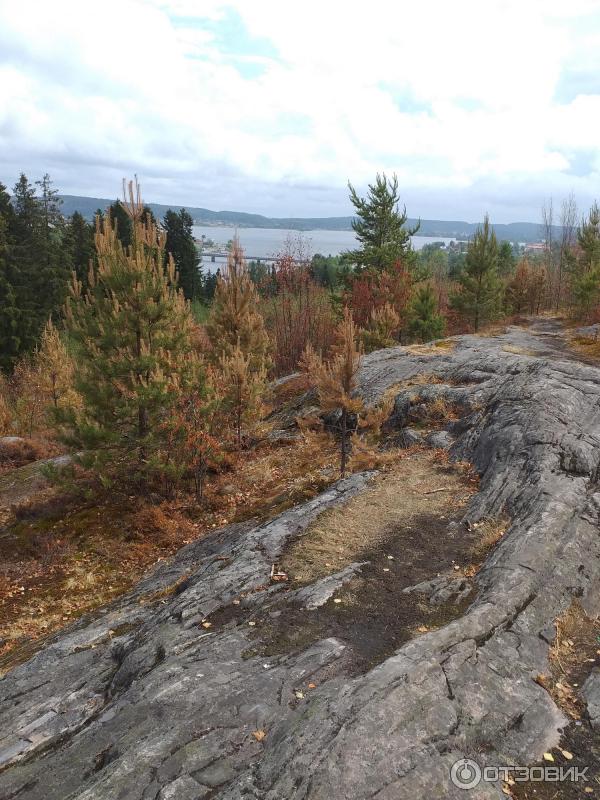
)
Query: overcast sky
[{"x": 271, "y": 106}]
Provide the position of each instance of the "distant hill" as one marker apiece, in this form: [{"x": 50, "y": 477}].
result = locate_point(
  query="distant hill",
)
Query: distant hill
[{"x": 513, "y": 231}]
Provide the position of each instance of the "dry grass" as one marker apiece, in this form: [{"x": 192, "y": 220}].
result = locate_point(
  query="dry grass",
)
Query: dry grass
[
  {"x": 411, "y": 487},
  {"x": 492, "y": 330},
  {"x": 20, "y": 452},
  {"x": 585, "y": 345},
  {"x": 490, "y": 532},
  {"x": 430, "y": 348},
  {"x": 520, "y": 351},
  {"x": 574, "y": 649}
]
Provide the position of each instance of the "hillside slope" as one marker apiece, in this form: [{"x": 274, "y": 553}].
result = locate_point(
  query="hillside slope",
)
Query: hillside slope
[{"x": 190, "y": 686}]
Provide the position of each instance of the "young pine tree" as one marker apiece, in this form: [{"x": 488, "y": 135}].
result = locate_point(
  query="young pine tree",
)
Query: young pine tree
[
  {"x": 132, "y": 331},
  {"x": 235, "y": 322},
  {"x": 480, "y": 294},
  {"x": 379, "y": 333},
  {"x": 56, "y": 370},
  {"x": 335, "y": 381},
  {"x": 242, "y": 388},
  {"x": 425, "y": 321},
  {"x": 380, "y": 227}
]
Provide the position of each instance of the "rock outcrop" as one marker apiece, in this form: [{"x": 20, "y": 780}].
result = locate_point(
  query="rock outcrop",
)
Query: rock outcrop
[{"x": 143, "y": 702}]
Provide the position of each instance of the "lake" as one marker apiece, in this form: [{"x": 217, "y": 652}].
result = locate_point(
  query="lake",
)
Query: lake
[{"x": 267, "y": 242}]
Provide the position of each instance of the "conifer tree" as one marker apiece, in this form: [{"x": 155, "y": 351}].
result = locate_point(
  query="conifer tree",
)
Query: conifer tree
[
  {"x": 80, "y": 242},
  {"x": 588, "y": 238},
  {"x": 380, "y": 227},
  {"x": 425, "y": 321},
  {"x": 242, "y": 389},
  {"x": 181, "y": 245},
  {"x": 336, "y": 383},
  {"x": 10, "y": 316},
  {"x": 56, "y": 369},
  {"x": 379, "y": 333},
  {"x": 132, "y": 330},
  {"x": 235, "y": 322},
  {"x": 480, "y": 289}
]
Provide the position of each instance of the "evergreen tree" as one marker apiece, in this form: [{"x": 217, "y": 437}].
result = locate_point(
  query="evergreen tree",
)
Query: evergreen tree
[
  {"x": 122, "y": 221},
  {"x": 382, "y": 326},
  {"x": 425, "y": 321},
  {"x": 336, "y": 381},
  {"x": 80, "y": 242},
  {"x": 480, "y": 294},
  {"x": 506, "y": 259},
  {"x": 132, "y": 329},
  {"x": 54, "y": 265},
  {"x": 235, "y": 322},
  {"x": 181, "y": 245},
  {"x": 380, "y": 227},
  {"x": 10, "y": 316},
  {"x": 242, "y": 389},
  {"x": 588, "y": 237}
]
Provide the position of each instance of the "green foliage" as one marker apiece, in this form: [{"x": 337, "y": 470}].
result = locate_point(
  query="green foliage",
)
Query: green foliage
[
  {"x": 328, "y": 271},
  {"x": 234, "y": 321},
  {"x": 506, "y": 260},
  {"x": 80, "y": 242},
  {"x": 34, "y": 265},
  {"x": 132, "y": 332},
  {"x": 380, "y": 227},
  {"x": 479, "y": 298},
  {"x": 425, "y": 322},
  {"x": 181, "y": 245},
  {"x": 588, "y": 237}
]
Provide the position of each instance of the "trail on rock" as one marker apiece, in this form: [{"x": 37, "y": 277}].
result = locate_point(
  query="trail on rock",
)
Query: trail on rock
[{"x": 147, "y": 701}]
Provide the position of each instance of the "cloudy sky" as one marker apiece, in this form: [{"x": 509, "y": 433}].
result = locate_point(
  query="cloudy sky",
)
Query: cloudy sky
[{"x": 271, "y": 106}]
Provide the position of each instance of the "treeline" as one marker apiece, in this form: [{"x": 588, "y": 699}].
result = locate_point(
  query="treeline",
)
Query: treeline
[{"x": 101, "y": 347}]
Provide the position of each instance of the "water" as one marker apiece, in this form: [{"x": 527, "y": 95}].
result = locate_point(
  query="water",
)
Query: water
[{"x": 267, "y": 242}]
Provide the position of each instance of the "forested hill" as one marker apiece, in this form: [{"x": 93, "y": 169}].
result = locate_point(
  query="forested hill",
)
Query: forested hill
[{"x": 513, "y": 231}]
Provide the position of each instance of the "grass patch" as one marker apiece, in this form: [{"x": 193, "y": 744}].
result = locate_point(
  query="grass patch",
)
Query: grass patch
[{"x": 520, "y": 351}]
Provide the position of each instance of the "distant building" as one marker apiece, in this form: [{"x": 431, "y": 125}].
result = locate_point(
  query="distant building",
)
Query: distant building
[{"x": 535, "y": 247}]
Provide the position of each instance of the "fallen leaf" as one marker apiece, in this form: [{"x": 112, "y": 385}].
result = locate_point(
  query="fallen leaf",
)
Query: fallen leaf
[
  {"x": 312, "y": 685},
  {"x": 252, "y": 624},
  {"x": 337, "y": 600},
  {"x": 207, "y": 624},
  {"x": 259, "y": 735},
  {"x": 548, "y": 757},
  {"x": 299, "y": 695},
  {"x": 567, "y": 755},
  {"x": 422, "y": 628}
]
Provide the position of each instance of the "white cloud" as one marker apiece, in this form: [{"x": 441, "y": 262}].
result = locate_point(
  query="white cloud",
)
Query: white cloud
[{"x": 272, "y": 106}]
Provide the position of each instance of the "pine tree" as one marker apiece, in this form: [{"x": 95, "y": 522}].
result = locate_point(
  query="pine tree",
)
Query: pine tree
[
  {"x": 132, "y": 329},
  {"x": 336, "y": 382},
  {"x": 80, "y": 243},
  {"x": 53, "y": 264},
  {"x": 56, "y": 369},
  {"x": 242, "y": 389},
  {"x": 10, "y": 316},
  {"x": 235, "y": 322},
  {"x": 588, "y": 238},
  {"x": 380, "y": 227},
  {"x": 480, "y": 294},
  {"x": 181, "y": 245},
  {"x": 379, "y": 333},
  {"x": 425, "y": 321}
]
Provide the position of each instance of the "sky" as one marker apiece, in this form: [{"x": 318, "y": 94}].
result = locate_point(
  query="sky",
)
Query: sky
[{"x": 272, "y": 106}]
